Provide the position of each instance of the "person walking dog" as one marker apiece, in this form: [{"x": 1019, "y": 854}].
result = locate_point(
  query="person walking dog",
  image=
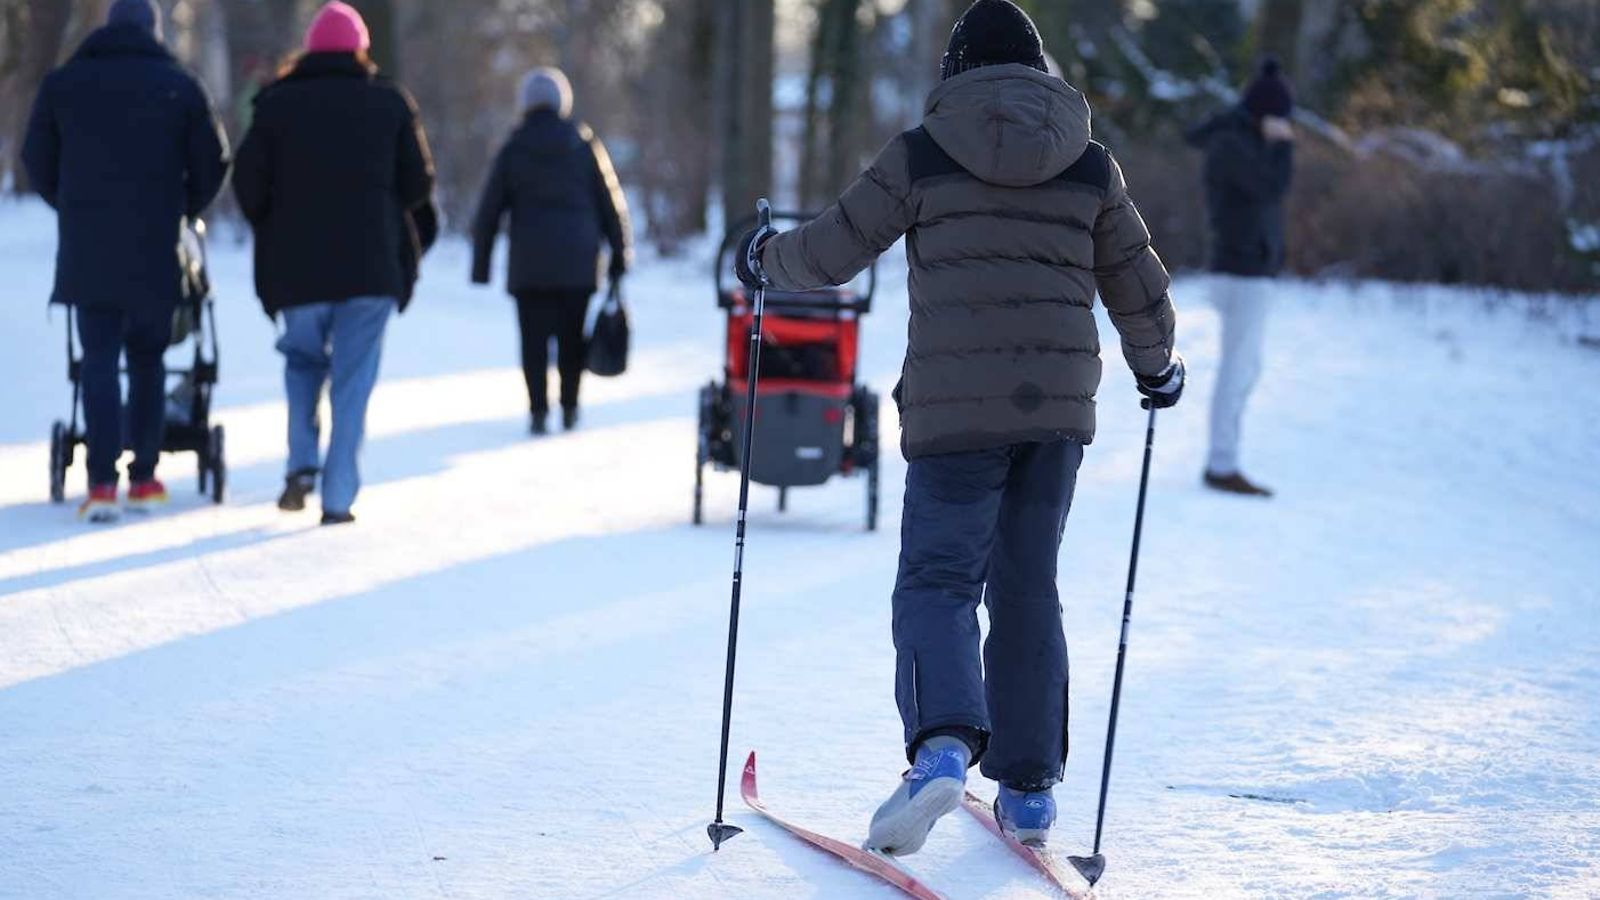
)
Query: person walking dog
[
  {"x": 124, "y": 144},
  {"x": 554, "y": 178},
  {"x": 1249, "y": 164},
  {"x": 336, "y": 178},
  {"x": 1013, "y": 219}
]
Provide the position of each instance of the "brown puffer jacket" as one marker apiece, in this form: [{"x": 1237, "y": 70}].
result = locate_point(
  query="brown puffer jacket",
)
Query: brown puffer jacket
[{"x": 1013, "y": 217}]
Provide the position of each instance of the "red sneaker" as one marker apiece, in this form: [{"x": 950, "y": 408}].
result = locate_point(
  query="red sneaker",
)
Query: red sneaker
[
  {"x": 145, "y": 495},
  {"x": 101, "y": 506}
]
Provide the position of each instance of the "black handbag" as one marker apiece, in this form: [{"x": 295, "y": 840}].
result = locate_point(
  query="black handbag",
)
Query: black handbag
[{"x": 609, "y": 338}]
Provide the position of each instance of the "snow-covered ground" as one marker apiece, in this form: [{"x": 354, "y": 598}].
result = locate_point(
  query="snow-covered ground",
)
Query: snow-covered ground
[{"x": 505, "y": 680}]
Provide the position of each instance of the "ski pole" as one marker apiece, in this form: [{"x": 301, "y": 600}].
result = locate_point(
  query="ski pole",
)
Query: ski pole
[
  {"x": 1092, "y": 867},
  {"x": 718, "y": 830}
]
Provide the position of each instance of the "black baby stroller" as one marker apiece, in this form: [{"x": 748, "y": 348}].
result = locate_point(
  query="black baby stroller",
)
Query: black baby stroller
[
  {"x": 189, "y": 428},
  {"x": 816, "y": 419}
]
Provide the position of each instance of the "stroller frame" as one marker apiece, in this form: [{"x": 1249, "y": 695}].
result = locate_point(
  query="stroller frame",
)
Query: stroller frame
[{"x": 196, "y": 434}]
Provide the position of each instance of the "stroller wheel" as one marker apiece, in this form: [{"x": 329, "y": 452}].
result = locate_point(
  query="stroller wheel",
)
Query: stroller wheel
[
  {"x": 219, "y": 465},
  {"x": 702, "y": 452},
  {"x": 699, "y": 493},
  {"x": 60, "y": 459},
  {"x": 872, "y": 496}
]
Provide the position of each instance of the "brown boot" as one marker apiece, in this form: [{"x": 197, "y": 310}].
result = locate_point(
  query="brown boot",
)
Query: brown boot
[{"x": 1235, "y": 484}]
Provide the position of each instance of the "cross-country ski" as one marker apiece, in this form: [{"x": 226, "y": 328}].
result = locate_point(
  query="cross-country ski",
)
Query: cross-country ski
[
  {"x": 876, "y": 864},
  {"x": 1060, "y": 877}
]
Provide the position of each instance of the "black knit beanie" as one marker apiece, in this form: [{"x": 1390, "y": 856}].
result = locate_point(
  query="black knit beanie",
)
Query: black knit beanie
[
  {"x": 1269, "y": 93},
  {"x": 993, "y": 33}
]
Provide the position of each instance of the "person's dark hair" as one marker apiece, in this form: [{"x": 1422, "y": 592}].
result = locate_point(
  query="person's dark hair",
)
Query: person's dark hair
[
  {"x": 294, "y": 58},
  {"x": 993, "y": 33}
]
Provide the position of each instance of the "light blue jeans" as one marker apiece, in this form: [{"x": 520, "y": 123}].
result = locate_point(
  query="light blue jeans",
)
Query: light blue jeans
[{"x": 338, "y": 345}]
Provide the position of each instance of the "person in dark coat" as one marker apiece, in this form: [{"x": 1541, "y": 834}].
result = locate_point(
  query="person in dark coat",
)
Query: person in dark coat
[
  {"x": 1249, "y": 164},
  {"x": 124, "y": 144},
  {"x": 555, "y": 180},
  {"x": 336, "y": 178},
  {"x": 1014, "y": 220}
]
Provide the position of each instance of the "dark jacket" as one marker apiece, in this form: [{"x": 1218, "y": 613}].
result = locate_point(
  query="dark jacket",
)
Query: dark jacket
[
  {"x": 553, "y": 176},
  {"x": 1246, "y": 178},
  {"x": 334, "y": 161},
  {"x": 124, "y": 144},
  {"x": 1013, "y": 219},
  {"x": 419, "y": 232}
]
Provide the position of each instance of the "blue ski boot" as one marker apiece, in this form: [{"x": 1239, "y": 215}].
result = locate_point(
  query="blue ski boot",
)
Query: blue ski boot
[
  {"x": 931, "y": 788},
  {"x": 1026, "y": 815}
]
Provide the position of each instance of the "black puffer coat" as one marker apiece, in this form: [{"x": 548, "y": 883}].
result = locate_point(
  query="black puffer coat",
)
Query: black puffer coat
[
  {"x": 554, "y": 178},
  {"x": 1247, "y": 178},
  {"x": 334, "y": 161},
  {"x": 124, "y": 144}
]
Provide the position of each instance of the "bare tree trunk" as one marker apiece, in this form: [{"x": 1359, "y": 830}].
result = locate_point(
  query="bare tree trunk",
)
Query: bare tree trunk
[
  {"x": 43, "y": 35},
  {"x": 931, "y": 22},
  {"x": 260, "y": 36},
  {"x": 675, "y": 166},
  {"x": 833, "y": 138},
  {"x": 1315, "y": 68},
  {"x": 746, "y": 50},
  {"x": 1278, "y": 32},
  {"x": 385, "y": 38},
  {"x": 813, "y": 133}
]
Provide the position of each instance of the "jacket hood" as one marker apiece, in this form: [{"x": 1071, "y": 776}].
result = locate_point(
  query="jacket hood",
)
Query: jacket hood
[
  {"x": 122, "y": 40},
  {"x": 544, "y": 132},
  {"x": 1009, "y": 125}
]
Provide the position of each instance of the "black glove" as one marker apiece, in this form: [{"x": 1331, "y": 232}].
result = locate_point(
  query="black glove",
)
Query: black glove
[
  {"x": 1163, "y": 391},
  {"x": 747, "y": 261}
]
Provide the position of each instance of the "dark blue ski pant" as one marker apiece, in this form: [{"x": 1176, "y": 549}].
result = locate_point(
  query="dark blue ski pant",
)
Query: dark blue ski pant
[{"x": 986, "y": 526}]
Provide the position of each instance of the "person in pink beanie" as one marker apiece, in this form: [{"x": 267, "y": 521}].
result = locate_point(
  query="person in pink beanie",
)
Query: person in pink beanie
[
  {"x": 335, "y": 177},
  {"x": 338, "y": 28}
]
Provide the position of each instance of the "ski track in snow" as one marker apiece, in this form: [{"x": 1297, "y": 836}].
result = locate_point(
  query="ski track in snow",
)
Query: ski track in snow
[{"x": 505, "y": 681}]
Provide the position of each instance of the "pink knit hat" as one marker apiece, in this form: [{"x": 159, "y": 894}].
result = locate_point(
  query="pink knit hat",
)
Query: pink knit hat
[{"x": 338, "y": 28}]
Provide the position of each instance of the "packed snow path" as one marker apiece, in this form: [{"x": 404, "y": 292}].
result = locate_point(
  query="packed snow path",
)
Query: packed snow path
[{"x": 505, "y": 680}]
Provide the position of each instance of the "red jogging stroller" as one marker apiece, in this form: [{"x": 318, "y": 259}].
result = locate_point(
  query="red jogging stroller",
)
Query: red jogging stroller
[{"x": 815, "y": 419}]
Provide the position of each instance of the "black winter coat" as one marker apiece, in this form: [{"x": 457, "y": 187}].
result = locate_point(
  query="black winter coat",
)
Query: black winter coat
[
  {"x": 334, "y": 162},
  {"x": 124, "y": 144},
  {"x": 1246, "y": 179},
  {"x": 553, "y": 176}
]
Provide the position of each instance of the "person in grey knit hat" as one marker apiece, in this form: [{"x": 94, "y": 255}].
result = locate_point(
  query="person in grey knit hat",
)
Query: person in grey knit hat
[
  {"x": 555, "y": 181},
  {"x": 546, "y": 88}
]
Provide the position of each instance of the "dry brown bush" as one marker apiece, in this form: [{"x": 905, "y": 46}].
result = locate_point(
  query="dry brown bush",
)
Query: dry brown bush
[{"x": 1374, "y": 217}]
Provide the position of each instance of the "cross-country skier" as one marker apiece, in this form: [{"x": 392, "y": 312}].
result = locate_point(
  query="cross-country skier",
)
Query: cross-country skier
[{"x": 1013, "y": 217}]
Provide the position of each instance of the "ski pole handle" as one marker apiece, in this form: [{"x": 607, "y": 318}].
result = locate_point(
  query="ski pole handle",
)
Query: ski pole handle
[{"x": 764, "y": 233}]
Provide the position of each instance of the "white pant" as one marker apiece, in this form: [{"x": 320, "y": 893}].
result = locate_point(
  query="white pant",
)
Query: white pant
[{"x": 1241, "y": 304}]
